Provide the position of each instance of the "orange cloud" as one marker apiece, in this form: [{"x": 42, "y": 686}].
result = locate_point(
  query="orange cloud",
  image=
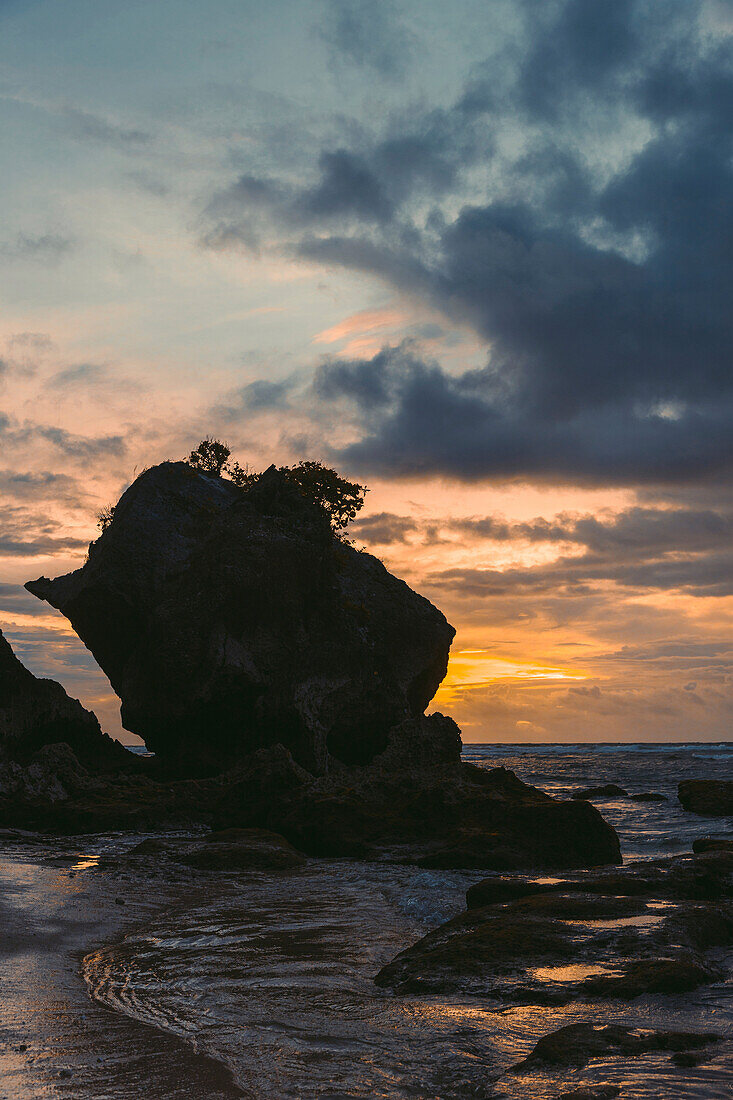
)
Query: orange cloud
[{"x": 366, "y": 322}]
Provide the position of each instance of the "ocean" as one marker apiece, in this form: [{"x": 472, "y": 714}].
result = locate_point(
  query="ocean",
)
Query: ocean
[{"x": 269, "y": 978}]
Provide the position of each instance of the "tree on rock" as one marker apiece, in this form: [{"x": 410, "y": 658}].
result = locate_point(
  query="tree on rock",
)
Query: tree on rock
[
  {"x": 339, "y": 498},
  {"x": 210, "y": 457}
]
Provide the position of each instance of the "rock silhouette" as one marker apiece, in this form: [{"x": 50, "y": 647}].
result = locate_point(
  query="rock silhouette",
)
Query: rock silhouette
[
  {"x": 229, "y": 620},
  {"x": 35, "y": 713},
  {"x": 281, "y": 677},
  {"x": 49, "y": 744}
]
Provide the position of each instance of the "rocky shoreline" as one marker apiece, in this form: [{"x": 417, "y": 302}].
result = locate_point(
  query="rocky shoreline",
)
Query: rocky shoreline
[{"x": 282, "y": 678}]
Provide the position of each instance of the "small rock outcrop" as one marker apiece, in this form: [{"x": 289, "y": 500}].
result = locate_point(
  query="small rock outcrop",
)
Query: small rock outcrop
[
  {"x": 577, "y": 1044},
  {"x": 647, "y": 928},
  {"x": 37, "y": 713},
  {"x": 229, "y": 620},
  {"x": 707, "y": 797},
  {"x": 229, "y": 850}
]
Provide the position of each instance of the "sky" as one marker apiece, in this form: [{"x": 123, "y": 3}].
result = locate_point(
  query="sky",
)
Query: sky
[{"x": 477, "y": 256}]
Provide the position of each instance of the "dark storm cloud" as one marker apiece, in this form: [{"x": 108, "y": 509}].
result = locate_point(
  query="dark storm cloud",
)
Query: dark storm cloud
[
  {"x": 366, "y": 33},
  {"x": 347, "y": 186},
  {"x": 602, "y": 292},
  {"x": 420, "y": 155},
  {"x": 258, "y": 396},
  {"x": 583, "y": 46},
  {"x": 415, "y": 419},
  {"x": 383, "y": 528},
  {"x": 366, "y": 382}
]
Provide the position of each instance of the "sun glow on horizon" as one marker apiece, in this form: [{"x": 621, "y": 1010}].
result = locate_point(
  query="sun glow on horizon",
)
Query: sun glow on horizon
[{"x": 473, "y": 668}]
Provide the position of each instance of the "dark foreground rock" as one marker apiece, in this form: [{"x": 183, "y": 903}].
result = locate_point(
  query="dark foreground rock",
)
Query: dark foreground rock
[
  {"x": 35, "y": 713},
  {"x": 646, "y": 929},
  {"x": 51, "y": 748},
  {"x": 453, "y": 815},
  {"x": 229, "y": 620},
  {"x": 709, "y": 797},
  {"x": 576, "y": 1044},
  {"x": 711, "y": 844},
  {"x": 228, "y": 850}
]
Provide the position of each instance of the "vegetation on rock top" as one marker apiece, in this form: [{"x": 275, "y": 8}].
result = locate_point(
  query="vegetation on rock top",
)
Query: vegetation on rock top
[{"x": 339, "y": 498}]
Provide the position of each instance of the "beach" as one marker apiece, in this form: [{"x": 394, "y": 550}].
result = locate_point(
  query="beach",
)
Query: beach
[{"x": 260, "y": 984}]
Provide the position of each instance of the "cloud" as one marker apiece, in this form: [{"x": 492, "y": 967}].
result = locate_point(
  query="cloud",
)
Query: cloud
[
  {"x": 86, "y": 126},
  {"x": 39, "y": 248},
  {"x": 48, "y": 545},
  {"x": 383, "y": 528},
  {"x": 574, "y": 207},
  {"x": 581, "y": 48},
  {"x": 416, "y": 419},
  {"x": 40, "y": 485},
  {"x": 79, "y": 446},
  {"x": 84, "y": 374},
  {"x": 631, "y": 532},
  {"x": 254, "y": 397},
  {"x": 368, "y": 34},
  {"x": 36, "y": 341},
  {"x": 68, "y": 443}
]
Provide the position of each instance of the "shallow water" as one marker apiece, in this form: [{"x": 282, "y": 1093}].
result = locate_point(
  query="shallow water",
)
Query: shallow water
[{"x": 272, "y": 975}]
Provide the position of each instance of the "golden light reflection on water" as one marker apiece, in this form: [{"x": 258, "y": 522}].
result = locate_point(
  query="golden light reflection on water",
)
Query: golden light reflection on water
[
  {"x": 86, "y": 863},
  {"x": 574, "y": 972}
]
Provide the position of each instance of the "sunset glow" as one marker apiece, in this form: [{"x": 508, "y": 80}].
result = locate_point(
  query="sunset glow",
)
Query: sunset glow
[{"x": 437, "y": 288}]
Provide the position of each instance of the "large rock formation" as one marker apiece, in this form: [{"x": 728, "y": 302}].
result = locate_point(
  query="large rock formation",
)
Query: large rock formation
[
  {"x": 243, "y": 637},
  {"x": 35, "y": 713},
  {"x": 49, "y": 744},
  {"x": 227, "y": 621}
]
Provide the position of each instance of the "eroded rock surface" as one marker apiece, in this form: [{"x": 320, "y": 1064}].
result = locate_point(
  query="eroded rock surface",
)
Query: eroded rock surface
[
  {"x": 649, "y": 928},
  {"x": 576, "y": 1044}
]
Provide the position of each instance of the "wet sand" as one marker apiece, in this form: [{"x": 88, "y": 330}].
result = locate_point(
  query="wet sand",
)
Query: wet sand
[{"x": 54, "y": 1040}]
